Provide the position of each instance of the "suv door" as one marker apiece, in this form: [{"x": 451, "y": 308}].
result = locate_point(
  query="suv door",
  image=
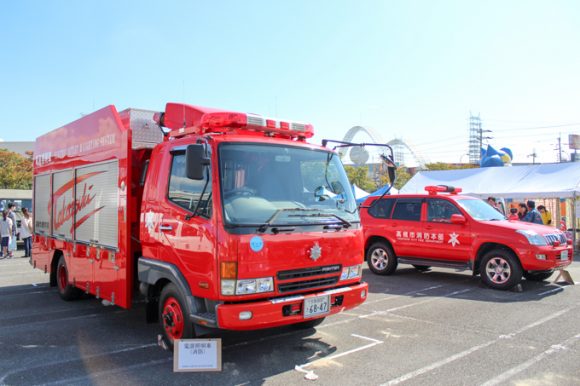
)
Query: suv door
[
  {"x": 404, "y": 226},
  {"x": 443, "y": 239}
]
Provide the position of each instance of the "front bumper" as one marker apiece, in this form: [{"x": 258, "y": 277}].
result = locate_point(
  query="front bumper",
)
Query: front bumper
[
  {"x": 274, "y": 312},
  {"x": 553, "y": 258}
]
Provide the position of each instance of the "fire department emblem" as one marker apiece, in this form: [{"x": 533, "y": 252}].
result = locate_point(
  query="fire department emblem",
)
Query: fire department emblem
[{"x": 315, "y": 252}]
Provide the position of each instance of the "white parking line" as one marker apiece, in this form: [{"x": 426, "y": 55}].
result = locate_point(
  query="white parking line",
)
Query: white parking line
[
  {"x": 310, "y": 374},
  {"x": 383, "y": 312},
  {"x": 471, "y": 350},
  {"x": 518, "y": 369},
  {"x": 405, "y": 294}
]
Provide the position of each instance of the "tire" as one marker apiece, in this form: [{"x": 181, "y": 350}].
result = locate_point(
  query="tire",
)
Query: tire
[
  {"x": 538, "y": 276},
  {"x": 500, "y": 269},
  {"x": 174, "y": 316},
  {"x": 422, "y": 268},
  {"x": 65, "y": 289},
  {"x": 381, "y": 259},
  {"x": 308, "y": 324}
]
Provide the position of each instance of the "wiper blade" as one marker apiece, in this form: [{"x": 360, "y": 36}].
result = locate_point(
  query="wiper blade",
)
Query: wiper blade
[
  {"x": 263, "y": 227},
  {"x": 345, "y": 223}
]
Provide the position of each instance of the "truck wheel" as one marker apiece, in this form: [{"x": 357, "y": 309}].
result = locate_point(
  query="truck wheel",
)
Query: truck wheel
[
  {"x": 173, "y": 315},
  {"x": 308, "y": 324},
  {"x": 381, "y": 258},
  {"x": 65, "y": 289},
  {"x": 421, "y": 268},
  {"x": 500, "y": 269},
  {"x": 538, "y": 276}
]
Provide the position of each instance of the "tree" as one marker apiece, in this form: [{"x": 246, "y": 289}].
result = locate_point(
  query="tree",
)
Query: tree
[
  {"x": 360, "y": 177},
  {"x": 446, "y": 166},
  {"x": 15, "y": 170},
  {"x": 403, "y": 176}
]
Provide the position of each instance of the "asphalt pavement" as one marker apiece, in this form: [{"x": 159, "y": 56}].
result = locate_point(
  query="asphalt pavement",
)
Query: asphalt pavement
[{"x": 433, "y": 328}]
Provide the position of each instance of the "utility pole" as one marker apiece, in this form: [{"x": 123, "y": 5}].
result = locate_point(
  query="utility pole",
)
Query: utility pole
[{"x": 533, "y": 155}]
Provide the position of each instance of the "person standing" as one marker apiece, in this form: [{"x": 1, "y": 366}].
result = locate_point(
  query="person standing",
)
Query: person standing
[
  {"x": 522, "y": 211},
  {"x": 26, "y": 232},
  {"x": 533, "y": 215},
  {"x": 546, "y": 215},
  {"x": 513, "y": 214},
  {"x": 5, "y": 233},
  {"x": 12, "y": 216}
]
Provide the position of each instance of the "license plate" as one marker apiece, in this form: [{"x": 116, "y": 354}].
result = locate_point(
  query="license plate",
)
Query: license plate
[
  {"x": 564, "y": 255},
  {"x": 319, "y": 305}
]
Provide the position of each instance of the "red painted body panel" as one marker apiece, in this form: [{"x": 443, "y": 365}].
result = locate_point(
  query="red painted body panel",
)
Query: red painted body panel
[
  {"x": 472, "y": 235},
  {"x": 97, "y": 137}
]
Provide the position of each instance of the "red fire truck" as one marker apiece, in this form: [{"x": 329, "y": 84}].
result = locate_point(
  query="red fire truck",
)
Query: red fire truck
[{"x": 222, "y": 219}]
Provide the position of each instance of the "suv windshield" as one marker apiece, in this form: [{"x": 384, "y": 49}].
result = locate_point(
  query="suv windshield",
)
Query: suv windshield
[
  {"x": 480, "y": 210},
  {"x": 267, "y": 185}
]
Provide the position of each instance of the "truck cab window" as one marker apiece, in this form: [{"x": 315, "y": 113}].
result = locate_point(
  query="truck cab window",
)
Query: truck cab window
[{"x": 186, "y": 192}]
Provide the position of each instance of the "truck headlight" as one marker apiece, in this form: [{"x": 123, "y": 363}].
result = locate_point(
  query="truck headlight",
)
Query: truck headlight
[
  {"x": 351, "y": 272},
  {"x": 533, "y": 238},
  {"x": 247, "y": 286},
  {"x": 228, "y": 287}
]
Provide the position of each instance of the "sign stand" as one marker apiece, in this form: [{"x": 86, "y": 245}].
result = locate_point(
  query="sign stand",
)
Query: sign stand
[
  {"x": 191, "y": 355},
  {"x": 566, "y": 277}
]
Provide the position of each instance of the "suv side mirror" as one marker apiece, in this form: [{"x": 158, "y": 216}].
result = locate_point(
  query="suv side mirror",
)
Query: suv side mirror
[
  {"x": 458, "y": 219},
  {"x": 195, "y": 161}
]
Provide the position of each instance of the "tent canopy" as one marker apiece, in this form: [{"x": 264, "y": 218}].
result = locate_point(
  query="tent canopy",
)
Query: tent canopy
[{"x": 560, "y": 180}]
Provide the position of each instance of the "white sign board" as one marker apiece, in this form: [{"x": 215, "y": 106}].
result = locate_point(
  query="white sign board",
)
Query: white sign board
[{"x": 197, "y": 355}]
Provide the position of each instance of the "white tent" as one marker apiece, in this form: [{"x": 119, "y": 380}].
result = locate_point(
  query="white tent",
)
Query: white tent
[
  {"x": 358, "y": 192},
  {"x": 560, "y": 180}
]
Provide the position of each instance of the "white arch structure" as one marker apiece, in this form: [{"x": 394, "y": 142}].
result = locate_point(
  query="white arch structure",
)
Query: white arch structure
[{"x": 377, "y": 138}]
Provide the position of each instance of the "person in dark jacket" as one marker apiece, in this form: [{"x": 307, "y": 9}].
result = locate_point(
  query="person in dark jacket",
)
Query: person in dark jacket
[
  {"x": 533, "y": 215},
  {"x": 522, "y": 210}
]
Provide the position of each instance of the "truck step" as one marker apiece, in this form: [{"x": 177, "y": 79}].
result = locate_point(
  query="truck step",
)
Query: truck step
[{"x": 458, "y": 265}]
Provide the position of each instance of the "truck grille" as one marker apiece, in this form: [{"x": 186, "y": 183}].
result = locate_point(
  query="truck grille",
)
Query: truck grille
[
  {"x": 306, "y": 272},
  {"x": 308, "y": 284},
  {"x": 552, "y": 237}
]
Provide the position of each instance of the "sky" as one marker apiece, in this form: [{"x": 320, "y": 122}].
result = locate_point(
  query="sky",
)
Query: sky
[{"x": 409, "y": 70}]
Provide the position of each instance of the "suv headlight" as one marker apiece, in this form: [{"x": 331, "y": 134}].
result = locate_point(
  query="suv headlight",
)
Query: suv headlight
[
  {"x": 247, "y": 286},
  {"x": 533, "y": 237},
  {"x": 351, "y": 272}
]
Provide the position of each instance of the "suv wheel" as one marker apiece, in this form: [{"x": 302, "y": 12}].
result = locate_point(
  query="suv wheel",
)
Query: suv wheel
[
  {"x": 500, "y": 269},
  {"x": 538, "y": 276},
  {"x": 381, "y": 258}
]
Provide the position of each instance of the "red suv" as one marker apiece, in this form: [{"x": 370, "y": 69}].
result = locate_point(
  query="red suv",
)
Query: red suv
[{"x": 461, "y": 232}]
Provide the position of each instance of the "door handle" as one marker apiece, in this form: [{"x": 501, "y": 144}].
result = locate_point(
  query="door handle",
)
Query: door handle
[{"x": 165, "y": 227}]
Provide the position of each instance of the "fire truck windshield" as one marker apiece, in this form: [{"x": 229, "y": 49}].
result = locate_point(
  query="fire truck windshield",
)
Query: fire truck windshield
[
  {"x": 265, "y": 185},
  {"x": 480, "y": 210}
]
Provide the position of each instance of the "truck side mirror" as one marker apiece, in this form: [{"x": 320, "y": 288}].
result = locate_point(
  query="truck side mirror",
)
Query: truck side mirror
[
  {"x": 195, "y": 161},
  {"x": 391, "y": 168},
  {"x": 458, "y": 219}
]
